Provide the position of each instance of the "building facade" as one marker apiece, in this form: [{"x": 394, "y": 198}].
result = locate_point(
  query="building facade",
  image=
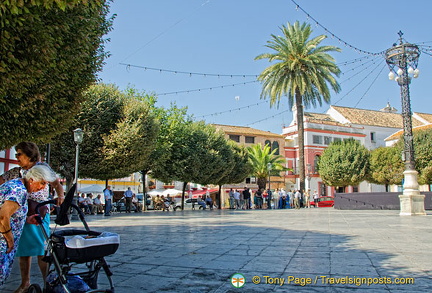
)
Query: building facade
[{"x": 369, "y": 127}]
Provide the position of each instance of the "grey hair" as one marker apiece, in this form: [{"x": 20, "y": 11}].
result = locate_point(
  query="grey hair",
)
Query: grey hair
[{"x": 41, "y": 173}]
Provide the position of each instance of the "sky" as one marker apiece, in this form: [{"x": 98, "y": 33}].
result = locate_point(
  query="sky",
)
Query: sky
[{"x": 200, "y": 54}]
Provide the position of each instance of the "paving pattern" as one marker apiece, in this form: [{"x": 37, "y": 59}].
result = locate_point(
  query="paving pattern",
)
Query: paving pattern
[{"x": 306, "y": 250}]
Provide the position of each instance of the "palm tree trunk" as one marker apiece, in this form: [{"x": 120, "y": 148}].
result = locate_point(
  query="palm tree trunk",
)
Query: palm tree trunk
[
  {"x": 262, "y": 183},
  {"x": 300, "y": 128}
]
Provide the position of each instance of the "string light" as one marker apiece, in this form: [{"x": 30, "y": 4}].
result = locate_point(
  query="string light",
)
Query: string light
[
  {"x": 209, "y": 88},
  {"x": 334, "y": 36},
  {"x": 189, "y": 73},
  {"x": 427, "y": 53},
  {"x": 232, "y": 110},
  {"x": 355, "y": 60},
  {"x": 357, "y": 84},
  {"x": 370, "y": 86},
  {"x": 357, "y": 73},
  {"x": 264, "y": 119}
]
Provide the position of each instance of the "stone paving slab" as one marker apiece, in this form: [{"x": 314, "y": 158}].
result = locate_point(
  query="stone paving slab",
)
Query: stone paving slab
[{"x": 199, "y": 251}]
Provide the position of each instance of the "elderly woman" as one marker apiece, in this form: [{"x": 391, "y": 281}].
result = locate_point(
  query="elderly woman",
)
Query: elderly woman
[
  {"x": 32, "y": 242},
  {"x": 13, "y": 212}
]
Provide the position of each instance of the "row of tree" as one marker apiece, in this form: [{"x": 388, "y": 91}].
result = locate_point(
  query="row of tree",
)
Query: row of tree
[
  {"x": 125, "y": 133},
  {"x": 348, "y": 162}
]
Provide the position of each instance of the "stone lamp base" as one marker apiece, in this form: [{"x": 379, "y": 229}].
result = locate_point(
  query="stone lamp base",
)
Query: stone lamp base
[{"x": 411, "y": 201}]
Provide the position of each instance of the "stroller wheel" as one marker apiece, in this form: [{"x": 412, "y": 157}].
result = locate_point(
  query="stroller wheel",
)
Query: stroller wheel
[{"x": 34, "y": 288}]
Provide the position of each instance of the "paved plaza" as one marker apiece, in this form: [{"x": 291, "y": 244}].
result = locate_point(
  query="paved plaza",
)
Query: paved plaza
[{"x": 307, "y": 250}]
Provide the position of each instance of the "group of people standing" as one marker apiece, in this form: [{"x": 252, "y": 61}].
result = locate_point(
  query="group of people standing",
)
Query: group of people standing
[
  {"x": 268, "y": 199},
  {"x": 20, "y": 235},
  {"x": 295, "y": 199}
]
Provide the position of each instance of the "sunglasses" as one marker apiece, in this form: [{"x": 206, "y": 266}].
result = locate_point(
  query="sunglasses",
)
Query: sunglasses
[{"x": 18, "y": 155}]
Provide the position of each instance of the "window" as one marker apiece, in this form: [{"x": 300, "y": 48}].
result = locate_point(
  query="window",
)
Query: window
[
  {"x": 373, "y": 137},
  {"x": 336, "y": 139},
  {"x": 249, "y": 139},
  {"x": 322, "y": 189},
  {"x": 235, "y": 138},
  {"x": 327, "y": 140},
  {"x": 317, "y": 139},
  {"x": 355, "y": 189},
  {"x": 340, "y": 189},
  {"x": 250, "y": 180},
  {"x": 267, "y": 142},
  {"x": 316, "y": 162},
  {"x": 275, "y": 146}
]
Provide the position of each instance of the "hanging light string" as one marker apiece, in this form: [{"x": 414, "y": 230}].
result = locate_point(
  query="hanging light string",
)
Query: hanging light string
[
  {"x": 357, "y": 84},
  {"x": 355, "y": 60},
  {"x": 426, "y": 52},
  {"x": 232, "y": 110},
  {"x": 370, "y": 86},
  {"x": 128, "y": 66},
  {"x": 358, "y": 72},
  {"x": 333, "y": 35},
  {"x": 205, "y": 89},
  {"x": 421, "y": 43},
  {"x": 267, "y": 118},
  {"x": 426, "y": 49}
]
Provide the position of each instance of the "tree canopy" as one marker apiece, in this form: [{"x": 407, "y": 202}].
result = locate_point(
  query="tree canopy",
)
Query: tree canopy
[
  {"x": 422, "y": 154},
  {"x": 197, "y": 153},
  {"x": 119, "y": 134},
  {"x": 264, "y": 163},
  {"x": 386, "y": 166},
  {"x": 344, "y": 163},
  {"x": 50, "y": 52}
]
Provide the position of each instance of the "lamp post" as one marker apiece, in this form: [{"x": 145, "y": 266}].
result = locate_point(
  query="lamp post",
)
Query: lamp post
[
  {"x": 402, "y": 60},
  {"x": 78, "y": 139}
]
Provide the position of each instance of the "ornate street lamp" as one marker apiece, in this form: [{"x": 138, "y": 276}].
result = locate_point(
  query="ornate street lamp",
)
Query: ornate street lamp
[
  {"x": 402, "y": 60},
  {"x": 78, "y": 139}
]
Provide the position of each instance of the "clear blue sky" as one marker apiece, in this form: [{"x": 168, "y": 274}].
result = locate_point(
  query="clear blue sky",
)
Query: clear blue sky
[{"x": 224, "y": 36}]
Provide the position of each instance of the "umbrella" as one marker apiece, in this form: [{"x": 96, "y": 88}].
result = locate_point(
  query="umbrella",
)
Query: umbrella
[
  {"x": 171, "y": 192},
  {"x": 95, "y": 188},
  {"x": 155, "y": 192}
]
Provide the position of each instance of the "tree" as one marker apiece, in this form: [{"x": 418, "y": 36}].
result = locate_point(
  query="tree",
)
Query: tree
[
  {"x": 237, "y": 168},
  {"x": 344, "y": 163},
  {"x": 50, "y": 52},
  {"x": 386, "y": 166},
  {"x": 422, "y": 154},
  {"x": 264, "y": 163},
  {"x": 198, "y": 153},
  {"x": 302, "y": 71},
  {"x": 128, "y": 147},
  {"x": 119, "y": 135}
]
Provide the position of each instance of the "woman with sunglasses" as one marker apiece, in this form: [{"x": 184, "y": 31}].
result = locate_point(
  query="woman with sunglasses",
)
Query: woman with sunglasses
[
  {"x": 32, "y": 242},
  {"x": 13, "y": 212}
]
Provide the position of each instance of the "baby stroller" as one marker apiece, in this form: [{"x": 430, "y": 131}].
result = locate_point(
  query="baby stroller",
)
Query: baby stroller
[{"x": 75, "y": 257}]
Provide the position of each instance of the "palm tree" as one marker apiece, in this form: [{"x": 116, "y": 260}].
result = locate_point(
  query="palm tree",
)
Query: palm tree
[
  {"x": 302, "y": 71},
  {"x": 264, "y": 163}
]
